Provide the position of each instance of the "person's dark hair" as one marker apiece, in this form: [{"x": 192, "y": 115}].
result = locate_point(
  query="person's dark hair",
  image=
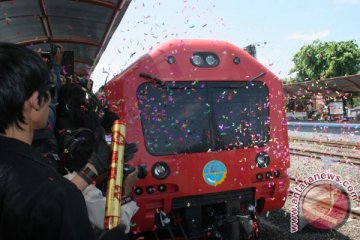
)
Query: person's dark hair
[
  {"x": 108, "y": 120},
  {"x": 22, "y": 72},
  {"x": 78, "y": 125},
  {"x": 78, "y": 108}
]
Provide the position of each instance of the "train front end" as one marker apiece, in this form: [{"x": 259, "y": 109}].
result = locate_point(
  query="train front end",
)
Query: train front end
[{"x": 210, "y": 125}]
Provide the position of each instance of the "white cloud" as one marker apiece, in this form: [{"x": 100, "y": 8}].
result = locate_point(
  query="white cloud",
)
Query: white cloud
[
  {"x": 309, "y": 37},
  {"x": 340, "y": 2}
]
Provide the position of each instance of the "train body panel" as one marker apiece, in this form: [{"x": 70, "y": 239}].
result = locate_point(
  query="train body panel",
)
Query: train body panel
[{"x": 200, "y": 128}]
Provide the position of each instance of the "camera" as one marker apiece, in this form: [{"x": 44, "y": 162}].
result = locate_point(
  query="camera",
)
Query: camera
[
  {"x": 47, "y": 55},
  {"x": 53, "y": 48},
  {"x": 52, "y": 51},
  {"x": 142, "y": 172}
]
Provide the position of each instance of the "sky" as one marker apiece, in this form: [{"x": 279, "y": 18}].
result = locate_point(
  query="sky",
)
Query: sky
[{"x": 279, "y": 28}]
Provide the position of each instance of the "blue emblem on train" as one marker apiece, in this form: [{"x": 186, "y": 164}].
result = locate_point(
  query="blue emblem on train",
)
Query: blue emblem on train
[{"x": 214, "y": 172}]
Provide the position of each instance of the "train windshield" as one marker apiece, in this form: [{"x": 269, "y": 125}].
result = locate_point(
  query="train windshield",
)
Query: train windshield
[{"x": 188, "y": 117}]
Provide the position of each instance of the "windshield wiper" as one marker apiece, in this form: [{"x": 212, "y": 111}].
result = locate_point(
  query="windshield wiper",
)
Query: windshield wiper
[
  {"x": 159, "y": 81},
  {"x": 258, "y": 76},
  {"x": 253, "y": 79},
  {"x": 151, "y": 77}
]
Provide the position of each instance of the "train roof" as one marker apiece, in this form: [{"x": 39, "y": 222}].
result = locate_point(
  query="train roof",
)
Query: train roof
[
  {"x": 330, "y": 87},
  {"x": 83, "y": 26}
]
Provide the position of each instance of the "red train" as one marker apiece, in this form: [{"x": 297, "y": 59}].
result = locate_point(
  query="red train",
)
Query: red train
[{"x": 210, "y": 124}]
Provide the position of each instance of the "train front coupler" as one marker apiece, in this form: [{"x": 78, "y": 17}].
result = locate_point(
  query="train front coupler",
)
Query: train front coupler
[
  {"x": 243, "y": 225},
  {"x": 249, "y": 224}
]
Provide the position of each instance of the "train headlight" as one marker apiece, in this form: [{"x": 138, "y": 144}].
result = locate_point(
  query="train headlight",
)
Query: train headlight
[
  {"x": 204, "y": 59},
  {"x": 236, "y": 60},
  {"x": 160, "y": 170},
  {"x": 211, "y": 60},
  {"x": 259, "y": 176},
  {"x": 171, "y": 59},
  {"x": 268, "y": 175},
  {"x": 262, "y": 160},
  {"x": 197, "y": 60}
]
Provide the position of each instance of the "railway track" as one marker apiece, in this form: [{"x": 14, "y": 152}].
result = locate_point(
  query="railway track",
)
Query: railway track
[
  {"x": 342, "y": 152},
  {"x": 344, "y": 144},
  {"x": 336, "y": 158}
]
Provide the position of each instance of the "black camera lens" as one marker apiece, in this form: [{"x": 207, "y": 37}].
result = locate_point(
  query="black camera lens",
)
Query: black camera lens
[
  {"x": 128, "y": 169},
  {"x": 54, "y": 48},
  {"x": 142, "y": 173}
]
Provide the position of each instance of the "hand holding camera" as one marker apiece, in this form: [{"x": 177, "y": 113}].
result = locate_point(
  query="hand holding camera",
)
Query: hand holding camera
[
  {"x": 53, "y": 55},
  {"x": 100, "y": 158},
  {"x": 130, "y": 149}
]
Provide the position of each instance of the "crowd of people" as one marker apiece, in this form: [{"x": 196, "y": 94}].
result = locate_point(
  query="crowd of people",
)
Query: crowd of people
[{"x": 53, "y": 154}]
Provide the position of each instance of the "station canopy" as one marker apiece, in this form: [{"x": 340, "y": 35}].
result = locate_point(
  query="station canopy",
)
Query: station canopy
[
  {"x": 82, "y": 26},
  {"x": 330, "y": 87}
]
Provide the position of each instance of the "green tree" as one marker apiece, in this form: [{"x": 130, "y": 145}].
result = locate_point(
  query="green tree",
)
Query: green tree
[{"x": 326, "y": 59}]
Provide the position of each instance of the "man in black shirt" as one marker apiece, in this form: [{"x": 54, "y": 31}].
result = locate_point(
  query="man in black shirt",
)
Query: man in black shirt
[{"x": 35, "y": 201}]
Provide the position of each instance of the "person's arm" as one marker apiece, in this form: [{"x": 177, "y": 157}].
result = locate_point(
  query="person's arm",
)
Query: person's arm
[
  {"x": 56, "y": 67},
  {"x": 96, "y": 203},
  {"x": 130, "y": 183},
  {"x": 79, "y": 181},
  {"x": 128, "y": 205},
  {"x": 127, "y": 211},
  {"x": 99, "y": 163}
]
